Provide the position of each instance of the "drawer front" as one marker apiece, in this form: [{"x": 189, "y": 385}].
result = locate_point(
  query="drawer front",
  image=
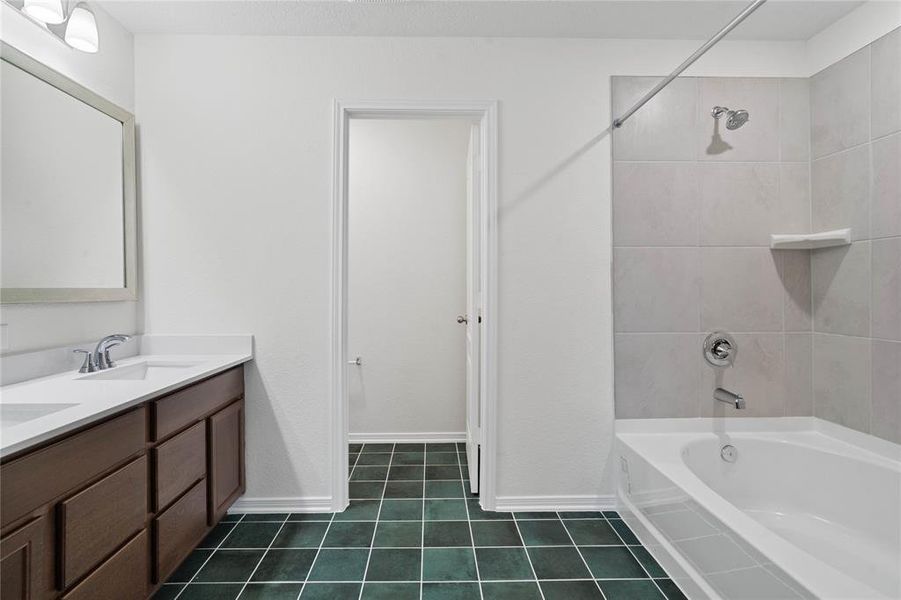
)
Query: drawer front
[
  {"x": 179, "y": 529},
  {"x": 180, "y": 462},
  {"x": 125, "y": 576},
  {"x": 97, "y": 520},
  {"x": 190, "y": 404},
  {"x": 43, "y": 475},
  {"x": 26, "y": 561}
]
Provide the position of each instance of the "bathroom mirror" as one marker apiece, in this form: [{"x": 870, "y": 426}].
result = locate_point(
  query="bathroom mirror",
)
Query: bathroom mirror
[{"x": 67, "y": 189}]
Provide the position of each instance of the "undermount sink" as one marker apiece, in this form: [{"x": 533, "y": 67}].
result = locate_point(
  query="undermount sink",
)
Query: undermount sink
[
  {"x": 140, "y": 371},
  {"x": 16, "y": 414}
]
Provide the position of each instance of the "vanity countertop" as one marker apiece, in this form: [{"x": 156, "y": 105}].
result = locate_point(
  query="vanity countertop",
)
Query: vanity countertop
[{"x": 37, "y": 410}]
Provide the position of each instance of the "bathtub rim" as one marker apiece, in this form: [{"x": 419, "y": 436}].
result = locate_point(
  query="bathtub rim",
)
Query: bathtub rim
[{"x": 814, "y": 575}]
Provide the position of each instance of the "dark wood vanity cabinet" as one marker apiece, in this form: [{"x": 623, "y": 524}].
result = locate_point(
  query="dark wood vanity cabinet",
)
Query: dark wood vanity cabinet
[{"x": 111, "y": 510}]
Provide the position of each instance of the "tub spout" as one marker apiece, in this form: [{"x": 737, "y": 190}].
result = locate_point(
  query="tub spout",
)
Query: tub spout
[{"x": 728, "y": 397}]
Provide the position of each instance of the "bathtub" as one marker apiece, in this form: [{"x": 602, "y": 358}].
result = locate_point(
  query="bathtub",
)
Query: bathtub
[{"x": 791, "y": 508}]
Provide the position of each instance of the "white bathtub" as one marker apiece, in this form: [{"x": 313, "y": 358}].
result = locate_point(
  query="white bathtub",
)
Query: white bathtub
[{"x": 808, "y": 509}]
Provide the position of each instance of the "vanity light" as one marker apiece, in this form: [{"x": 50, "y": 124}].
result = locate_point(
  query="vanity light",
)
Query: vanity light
[
  {"x": 81, "y": 30},
  {"x": 45, "y": 11}
]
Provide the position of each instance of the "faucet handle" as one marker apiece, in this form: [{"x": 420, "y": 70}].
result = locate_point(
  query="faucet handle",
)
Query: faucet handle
[{"x": 88, "y": 365}]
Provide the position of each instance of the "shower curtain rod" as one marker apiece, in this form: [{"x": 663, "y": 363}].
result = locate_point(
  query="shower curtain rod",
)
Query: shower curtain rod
[{"x": 697, "y": 54}]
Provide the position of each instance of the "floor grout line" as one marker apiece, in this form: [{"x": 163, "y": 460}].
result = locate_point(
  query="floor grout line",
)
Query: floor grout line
[
  {"x": 216, "y": 549},
  {"x": 472, "y": 537},
  {"x": 584, "y": 562},
  {"x": 378, "y": 515},
  {"x": 316, "y": 556},
  {"x": 628, "y": 547},
  {"x": 425, "y": 461},
  {"x": 525, "y": 549},
  {"x": 263, "y": 557}
]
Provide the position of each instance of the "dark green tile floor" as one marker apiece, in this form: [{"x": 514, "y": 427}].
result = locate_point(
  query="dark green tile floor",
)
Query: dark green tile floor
[{"x": 413, "y": 531}]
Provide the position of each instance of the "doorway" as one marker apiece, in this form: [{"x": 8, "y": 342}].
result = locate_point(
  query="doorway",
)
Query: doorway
[{"x": 402, "y": 352}]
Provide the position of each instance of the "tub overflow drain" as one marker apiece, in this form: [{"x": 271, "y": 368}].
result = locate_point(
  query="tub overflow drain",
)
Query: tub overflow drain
[{"x": 729, "y": 453}]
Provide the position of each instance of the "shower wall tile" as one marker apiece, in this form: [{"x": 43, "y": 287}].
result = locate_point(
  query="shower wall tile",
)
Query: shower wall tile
[
  {"x": 840, "y": 110},
  {"x": 886, "y": 198},
  {"x": 885, "y": 385},
  {"x": 886, "y": 288},
  {"x": 656, "y": 375},
  {"x": 840, "y": 192},
  {"x": 656, "y": 289},
  {"x": 840, "y": 287},
  {"x": 759, "y": 375},
  {"x": 691, "y": 235},
  {"x": 655, "y": 204},
  {"x": 740, "y": 290},
  {"x": 739, "y": 204},
  {"x": 794, "y": 120},
  {"x": 660, "y": 129},
  {"x": 841, "y": 387},
  {"x": 885, "y": 96},
  {"x": 857, "y": 290},
  {"x": 795, "y": 275},
  {"x": 798, "y": 374},
  {"x": 756, "y": 141}
]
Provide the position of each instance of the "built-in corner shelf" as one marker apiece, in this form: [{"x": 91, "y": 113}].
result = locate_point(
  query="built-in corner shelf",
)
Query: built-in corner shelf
[{"x": 810, "y": 241}]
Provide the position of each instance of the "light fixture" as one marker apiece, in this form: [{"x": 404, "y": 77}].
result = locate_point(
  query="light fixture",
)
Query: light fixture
[
  {"x": 45, "y": 11},
  {"x": 81, "y": 30}
]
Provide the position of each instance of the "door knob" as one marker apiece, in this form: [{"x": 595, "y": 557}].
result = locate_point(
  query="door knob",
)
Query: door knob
[
  {"x": 462, "y": 319},
  {"x": 358, "y": 361}
]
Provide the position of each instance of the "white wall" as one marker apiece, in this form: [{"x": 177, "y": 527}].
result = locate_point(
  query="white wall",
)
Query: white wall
[
  {"x": 237, "y": 168},
  {"x": 110, "y": 73},
  {"x": 407, "y": 275}
]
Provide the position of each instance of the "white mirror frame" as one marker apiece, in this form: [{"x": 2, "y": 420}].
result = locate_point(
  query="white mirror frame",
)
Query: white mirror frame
[{"x": 79, "y": 92}]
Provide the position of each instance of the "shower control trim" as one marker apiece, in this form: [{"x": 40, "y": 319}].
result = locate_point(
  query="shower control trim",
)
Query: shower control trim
[{"x": 720, "y": 349}]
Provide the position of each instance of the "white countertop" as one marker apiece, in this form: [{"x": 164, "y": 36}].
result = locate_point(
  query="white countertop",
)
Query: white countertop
[{"x": 172, "y": 366}]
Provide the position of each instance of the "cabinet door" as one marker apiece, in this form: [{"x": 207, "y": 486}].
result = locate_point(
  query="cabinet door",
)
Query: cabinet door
[
  {"x": 226, "y": 454},
  {"x": 26, "y": 559}
]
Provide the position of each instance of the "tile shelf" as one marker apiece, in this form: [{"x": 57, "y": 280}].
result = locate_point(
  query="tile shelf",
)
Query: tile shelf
[{"x": 810, "y": 241}]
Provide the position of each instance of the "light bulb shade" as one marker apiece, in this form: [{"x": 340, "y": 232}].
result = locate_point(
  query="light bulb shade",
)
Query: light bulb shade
[
  {"x": 81, "y": 31},
  {"x": 45, "y": 11}
]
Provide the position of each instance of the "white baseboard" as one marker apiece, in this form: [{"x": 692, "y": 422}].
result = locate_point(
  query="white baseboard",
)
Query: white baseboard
[
  {"x": 313, "y": 504},
  {"x": 549, "y": 503},
  {"x": 408, "y": 438}
]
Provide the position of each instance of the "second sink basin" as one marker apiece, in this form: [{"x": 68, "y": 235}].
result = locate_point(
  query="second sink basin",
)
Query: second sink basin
[
  {"x": 16, "y": 414},
  {"x": 141, "y": 370}
]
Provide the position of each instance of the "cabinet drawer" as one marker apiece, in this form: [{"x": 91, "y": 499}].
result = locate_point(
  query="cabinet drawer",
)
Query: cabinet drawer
[
  {"x": 180, "y": 462},
  {"x": 190, "y": 404},
  {"x": 179, "y": 529},
  {"x": 43, "y": 475},
  {"x": 125, "y": 576},
  {"x": 95, "y": 521}
]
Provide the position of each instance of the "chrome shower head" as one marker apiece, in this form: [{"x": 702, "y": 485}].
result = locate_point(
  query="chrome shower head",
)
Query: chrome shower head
[{"x": 734, "y": 118}]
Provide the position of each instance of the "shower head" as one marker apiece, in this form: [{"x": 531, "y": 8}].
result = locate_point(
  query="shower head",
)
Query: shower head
[{"x": 734, "y": 118}]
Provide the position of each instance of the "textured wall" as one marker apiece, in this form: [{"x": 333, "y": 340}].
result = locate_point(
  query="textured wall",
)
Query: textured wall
[
  {"x": 693, "y": 207},
  {"x": 856, "y": 183}
]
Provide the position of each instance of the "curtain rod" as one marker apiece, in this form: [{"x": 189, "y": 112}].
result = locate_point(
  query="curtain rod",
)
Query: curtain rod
[{"x": 697, "y": 54}]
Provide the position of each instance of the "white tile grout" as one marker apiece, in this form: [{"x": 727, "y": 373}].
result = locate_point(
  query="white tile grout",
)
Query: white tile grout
[{"x": 557, "y": 516}]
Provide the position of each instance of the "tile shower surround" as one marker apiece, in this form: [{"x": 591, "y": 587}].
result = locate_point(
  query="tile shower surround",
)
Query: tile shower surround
[
  {"x": 411, "y": 532},
  {"x": 819, "y": 332}
]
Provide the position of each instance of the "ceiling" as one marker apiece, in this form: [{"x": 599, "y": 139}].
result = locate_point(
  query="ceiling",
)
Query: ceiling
[{"x": 641, "y": 19}]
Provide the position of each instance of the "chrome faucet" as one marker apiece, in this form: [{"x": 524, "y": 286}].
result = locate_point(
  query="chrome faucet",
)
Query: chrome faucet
[
  {"x": 100, "y": 359},
  {"x": 724, "y": 395},
  {"x": 101, "y": 352}
]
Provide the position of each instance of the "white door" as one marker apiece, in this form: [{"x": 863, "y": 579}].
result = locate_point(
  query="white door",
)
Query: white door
[{"x": 473, "y": 309}]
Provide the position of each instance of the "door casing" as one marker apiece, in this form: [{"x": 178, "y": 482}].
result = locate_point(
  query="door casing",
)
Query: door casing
[{"x": 485, "y": 113}]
